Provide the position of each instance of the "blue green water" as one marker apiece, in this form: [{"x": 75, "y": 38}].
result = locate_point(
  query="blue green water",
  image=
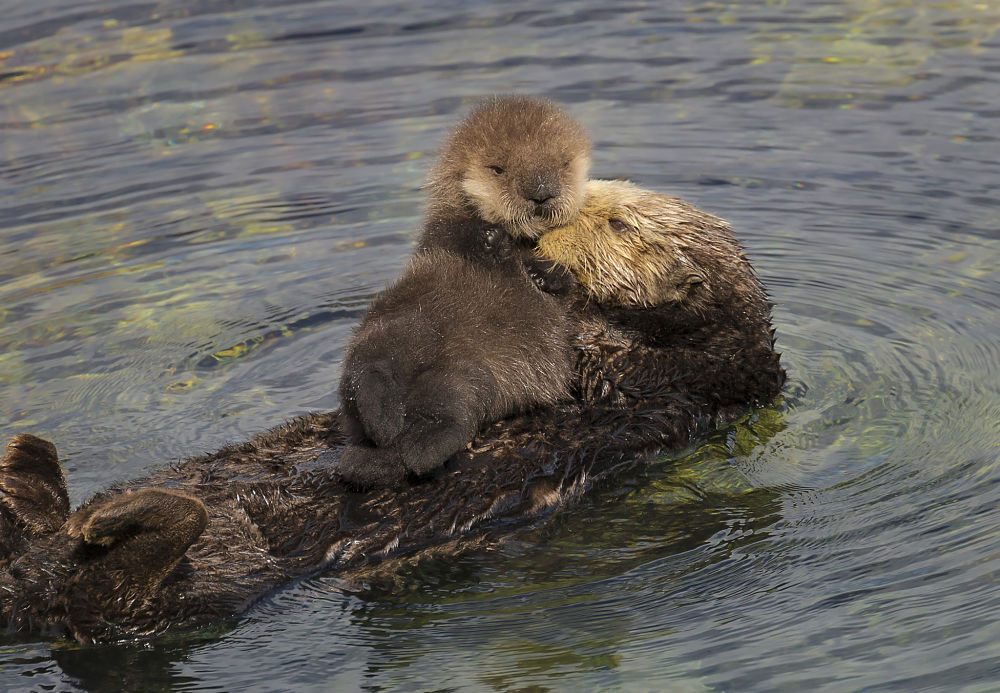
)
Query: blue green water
[{"x": 199, "y": 198}]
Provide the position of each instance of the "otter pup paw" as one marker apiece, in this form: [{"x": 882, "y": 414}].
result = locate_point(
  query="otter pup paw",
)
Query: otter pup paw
[
  {"x": 32, "y": 488},
  {"x": 365, "y": 468},
  {"x": 135, "y": 512},
  {"x": 550, "y": 277},
  {"x": 496, "y": 246}
]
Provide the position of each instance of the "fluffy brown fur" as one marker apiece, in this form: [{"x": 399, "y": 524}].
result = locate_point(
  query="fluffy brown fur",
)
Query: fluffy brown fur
[
  {"x": 450, "y": 346},
  {"x": 515, "y": 161}
]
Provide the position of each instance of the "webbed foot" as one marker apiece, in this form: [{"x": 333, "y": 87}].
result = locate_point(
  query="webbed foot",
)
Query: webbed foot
[
  {"x": 171, "y": 513},
  {"x": 33, "y": 498},
  {"x": 143, "y": 534}
]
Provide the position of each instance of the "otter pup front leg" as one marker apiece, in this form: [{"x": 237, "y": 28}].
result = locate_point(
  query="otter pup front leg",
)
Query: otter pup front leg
[
  {"x": 33, "y": 498},
  {"x": 145, "y": 532}
]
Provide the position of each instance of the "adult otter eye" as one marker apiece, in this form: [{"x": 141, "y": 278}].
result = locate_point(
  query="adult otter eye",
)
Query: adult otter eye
[
  {"x": 496, "y": 169},
  {"x": 618, "y": 226}
]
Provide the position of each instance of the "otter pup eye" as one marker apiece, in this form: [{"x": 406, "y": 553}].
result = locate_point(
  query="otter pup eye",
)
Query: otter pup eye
[
  {"x": 496, "y": 169},
  {"x": 618, "y": 226}
]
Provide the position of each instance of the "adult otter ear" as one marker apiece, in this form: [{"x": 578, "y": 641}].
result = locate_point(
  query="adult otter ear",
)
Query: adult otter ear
[{"x": 684, "y": 286}]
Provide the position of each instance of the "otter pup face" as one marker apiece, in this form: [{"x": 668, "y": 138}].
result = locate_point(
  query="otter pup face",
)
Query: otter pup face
[
  {"x": 634, "y": 248},
  {"x": 521, "y": 162}
]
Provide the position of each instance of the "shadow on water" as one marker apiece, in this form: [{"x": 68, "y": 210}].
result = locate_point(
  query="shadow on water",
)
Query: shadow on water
[{"x": 561, "y": 598}]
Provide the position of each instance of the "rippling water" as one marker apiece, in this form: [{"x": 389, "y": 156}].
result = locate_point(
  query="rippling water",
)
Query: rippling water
[{"x": 199, "y": 198}]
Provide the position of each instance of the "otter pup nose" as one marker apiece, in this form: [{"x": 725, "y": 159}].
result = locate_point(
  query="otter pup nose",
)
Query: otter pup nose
[{"x": 541, "y": 194}]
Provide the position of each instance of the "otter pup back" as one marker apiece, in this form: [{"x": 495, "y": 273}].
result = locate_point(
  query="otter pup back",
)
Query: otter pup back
[{"x": 448, "y": 347}]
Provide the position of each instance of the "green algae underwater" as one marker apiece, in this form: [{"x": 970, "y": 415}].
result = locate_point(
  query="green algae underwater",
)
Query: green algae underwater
[{"x": 201, "y": 198}]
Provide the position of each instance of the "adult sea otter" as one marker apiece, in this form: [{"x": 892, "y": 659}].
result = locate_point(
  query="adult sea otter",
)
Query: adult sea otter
[{"x": 200, "y": 541}]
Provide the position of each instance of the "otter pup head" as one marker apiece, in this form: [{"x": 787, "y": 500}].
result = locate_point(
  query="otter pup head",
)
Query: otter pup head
[
  {"x": 636, "y": 249},
  {"x": 520, "y": 162}
]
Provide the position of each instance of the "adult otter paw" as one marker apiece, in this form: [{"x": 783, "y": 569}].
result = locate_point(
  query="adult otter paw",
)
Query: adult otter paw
[
  {"x": 550, "y": 277},
  {"x": 32, "y": 488},
  {"x": 366, "y": 468},
  {"x": 174, "y": 515}
]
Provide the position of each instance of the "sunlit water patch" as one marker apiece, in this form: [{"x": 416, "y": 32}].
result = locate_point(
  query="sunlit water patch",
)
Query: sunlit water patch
[{"x": 199, "y": 200}]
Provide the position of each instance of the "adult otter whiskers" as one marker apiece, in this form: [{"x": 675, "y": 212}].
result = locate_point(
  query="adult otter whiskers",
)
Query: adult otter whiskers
[{"x": 200, "y": 541}]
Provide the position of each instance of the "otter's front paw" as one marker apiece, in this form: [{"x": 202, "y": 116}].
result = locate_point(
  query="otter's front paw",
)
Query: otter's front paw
[
  {"x": 32, "y": 487},
  {"x": 497, "y": 243},
  {"x": 367, "y": 468},
  {"x": 550, "y": 277}
]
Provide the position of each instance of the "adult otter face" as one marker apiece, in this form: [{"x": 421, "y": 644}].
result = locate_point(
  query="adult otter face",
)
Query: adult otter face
[
  {"x": 633, "y": 248},
  {"x": 521, "y": 162}
]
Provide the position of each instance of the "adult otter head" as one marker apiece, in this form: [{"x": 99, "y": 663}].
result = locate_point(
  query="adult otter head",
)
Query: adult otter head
[
  {"x": 520, "y": 162},
  {"x": 632, "y": 248}
]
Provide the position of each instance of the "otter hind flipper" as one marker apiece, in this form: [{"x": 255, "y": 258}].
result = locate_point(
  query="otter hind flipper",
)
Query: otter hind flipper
[
  {"x": 145, "y": 531},
  {"x": 33, "y": 498},
  {"x": 366, "y": 467},
  {"x": 442, "y": 414}
]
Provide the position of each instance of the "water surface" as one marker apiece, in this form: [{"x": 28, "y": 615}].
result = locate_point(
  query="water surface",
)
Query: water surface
[{"x": 198, "y": 200}]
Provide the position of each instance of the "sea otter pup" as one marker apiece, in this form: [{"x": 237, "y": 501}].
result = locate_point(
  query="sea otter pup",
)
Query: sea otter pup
[
  {"x": 516, "y": 162},
  {"x": 200, "y": 541},
  {"x": 465, "y": 337}
]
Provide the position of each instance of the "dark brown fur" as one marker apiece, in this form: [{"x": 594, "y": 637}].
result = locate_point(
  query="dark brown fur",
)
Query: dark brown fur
[
  {"x": 450, "y": 346},
  {"x": 130, "y": 563}
]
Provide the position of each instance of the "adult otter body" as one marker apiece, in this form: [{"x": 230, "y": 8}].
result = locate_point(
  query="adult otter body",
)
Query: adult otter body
[
  {"x": 198, "y": 542},
  {"x": 465, "y": 336},
  {"x": 637, "y": 252}
]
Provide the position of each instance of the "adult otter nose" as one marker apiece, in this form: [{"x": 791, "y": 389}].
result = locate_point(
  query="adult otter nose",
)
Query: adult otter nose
[{"x": 541, "y": 194}]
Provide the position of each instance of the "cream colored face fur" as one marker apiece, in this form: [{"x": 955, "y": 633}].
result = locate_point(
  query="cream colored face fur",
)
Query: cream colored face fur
[
  {"x": 631, "y": 247},
  {"x": 499, "y": 198},
  {"x": 521, "y": 162}
]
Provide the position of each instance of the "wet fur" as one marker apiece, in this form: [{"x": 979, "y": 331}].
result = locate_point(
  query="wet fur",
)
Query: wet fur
[
  {"x": 639, "y": 253},
  {"x": 132, "y": 563}
]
